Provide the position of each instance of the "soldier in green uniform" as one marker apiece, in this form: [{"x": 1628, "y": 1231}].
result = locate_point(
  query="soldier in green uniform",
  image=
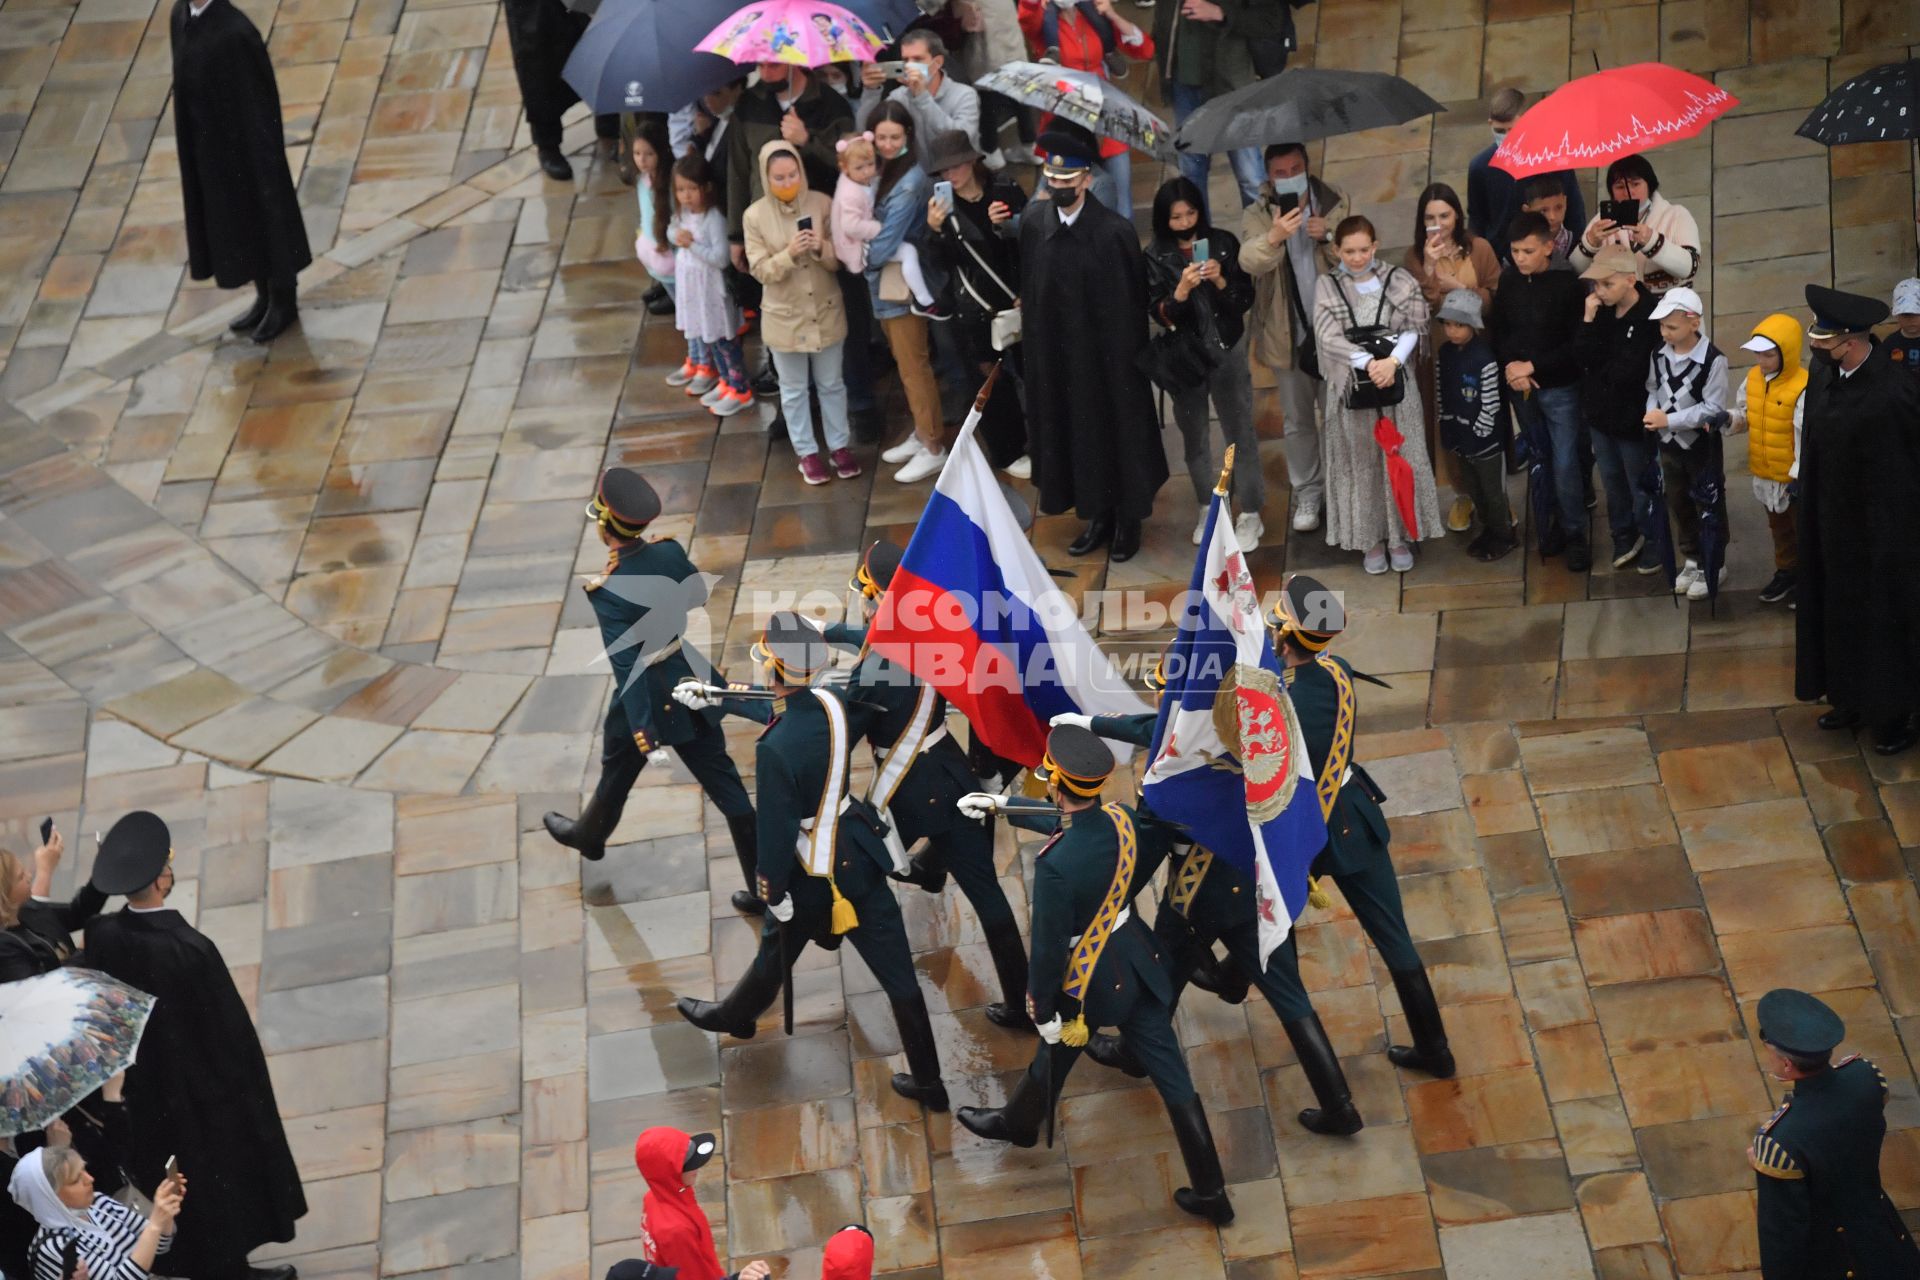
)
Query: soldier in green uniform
[
  {"x": 1822, "y": 1213},
  {"x": 1094, "y": 960},
  {"x": 919, "y": 772},
  {"x": 1304, "y": 622},
  {"x": 641, "y": 602},
  {"x": 823, "y": 860}
]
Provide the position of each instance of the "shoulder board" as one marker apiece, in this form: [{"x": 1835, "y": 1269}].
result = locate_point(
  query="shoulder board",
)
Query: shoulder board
[
  {"x": 1774, "y": 1119},
  {"x": 1772, "y": 1160}
]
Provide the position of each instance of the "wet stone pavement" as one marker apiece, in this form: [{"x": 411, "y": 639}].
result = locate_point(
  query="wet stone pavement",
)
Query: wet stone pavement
[{"x": 317, "y": 606}]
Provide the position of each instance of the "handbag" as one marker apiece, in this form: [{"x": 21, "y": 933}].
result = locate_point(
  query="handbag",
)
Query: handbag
[
  {"x": 1306, "y": 352},
  {"x": 1003, "y": 330},
  {"x": 1003, "y": 323},
  {"x": 1181, "y": 357},
  {"x": 1376, "y": 341}
]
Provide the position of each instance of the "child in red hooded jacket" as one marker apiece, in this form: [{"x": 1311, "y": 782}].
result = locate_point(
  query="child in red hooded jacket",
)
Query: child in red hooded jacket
[
  {"x": 674, "y": 1230},
  {"x": 848, "y": 1255}
]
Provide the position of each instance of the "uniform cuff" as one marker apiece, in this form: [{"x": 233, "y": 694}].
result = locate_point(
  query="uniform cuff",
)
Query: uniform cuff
[{"x": 642, "y": 740}]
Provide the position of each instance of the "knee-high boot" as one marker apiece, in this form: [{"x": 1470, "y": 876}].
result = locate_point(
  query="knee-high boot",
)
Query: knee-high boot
[
  {"x": 737, "y": 1014},
  {"x": 744, "y": 829},
  {"x": 1010, "y": 966},
  {"x": 921, "y": 1080},
  {"x": 1220, "y": 977},
  {"x": 588, "y": 833},
  {"x": 1429, "y": 1052},
  {"x": 1018, "y": 1121},
  {"x": 1336, "y": 1113},
  {"x": 1207, "y": 1197}
]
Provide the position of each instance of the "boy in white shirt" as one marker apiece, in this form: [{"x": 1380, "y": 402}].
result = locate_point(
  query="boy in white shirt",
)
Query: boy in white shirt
[{"x": 1687, "y": 408}]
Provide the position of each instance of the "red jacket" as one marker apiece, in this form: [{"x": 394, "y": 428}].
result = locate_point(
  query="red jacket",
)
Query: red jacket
[
  {"x": 848, "y": 1256},
  {"x": 674, "y": 1230},
  {"x": 1081, "y": 50}
]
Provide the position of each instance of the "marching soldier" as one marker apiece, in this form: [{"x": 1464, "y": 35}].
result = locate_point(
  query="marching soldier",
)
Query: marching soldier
[
  {"x": 1304, "y": 623},
  {"x": 641, "y": 602},
  {"x": 1209, "y": 900},
  {"x": 1822, "y": 1213},
  {"x": 1093, "y": 959},
  {"x": 919, "y": 774},
  {"x": 823, "y": 861}
]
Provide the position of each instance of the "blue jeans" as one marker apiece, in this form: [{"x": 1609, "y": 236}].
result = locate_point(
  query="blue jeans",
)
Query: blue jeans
[
  {"x": 796, "y": 369},
  {"x": 1624, "y": 467},
  {"x": 1559, "y": 408},
  {"x": 1247, "y": 168},
  {"x": 1120, "y": 169}
]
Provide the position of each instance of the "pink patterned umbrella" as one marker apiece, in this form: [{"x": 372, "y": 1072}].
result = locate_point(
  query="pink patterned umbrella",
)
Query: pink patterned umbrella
[{"x": 805, "y": 33}]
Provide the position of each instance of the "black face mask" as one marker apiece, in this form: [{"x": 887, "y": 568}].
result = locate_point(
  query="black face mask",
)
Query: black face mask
[
  {"x": 1827, "y": 356},
  {"x": 1065, "y": 194}
]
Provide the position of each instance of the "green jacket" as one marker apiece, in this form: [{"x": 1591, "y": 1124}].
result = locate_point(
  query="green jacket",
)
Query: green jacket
[
  {"x": 923, "y": 804},
  {"x": 1822, "y": 1212},
  {"x": 1213, "y": 56},
  {"x": 1357, "y": 831},
  {"x": 644, "y": 707},
  {"x": 1070, "y": 881}
]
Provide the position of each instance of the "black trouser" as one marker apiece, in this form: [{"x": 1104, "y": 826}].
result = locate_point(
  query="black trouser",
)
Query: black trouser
[
  {"x": 856, "y": 361},
  {"x": 704, "y": 754},
  {"x": 1680, "y": 470},
  {"x": 1279, "y": 981},
  {"x": 1373, "y": 892},
  {"x": 880, "y": 938},
  {"x": 540, "y": 35},
  {"x": 1003, "y": 424},
  {"x": 1148, "y": 1029},
  {"x": 1484, "y": 478},
  {"x": 967, "y": 851}
]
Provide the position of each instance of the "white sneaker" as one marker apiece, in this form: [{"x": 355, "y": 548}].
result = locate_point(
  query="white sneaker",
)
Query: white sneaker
[
  {"x": 1697, "y": 589},
  {"x": 1687, "y": 578},
  {"x": 1021, "y": 468},
  {"x": 1248, "y": 529},
  {"x": 920, "y": 467},
  {"x": 1306, "y": 516},
  {"x": 712, "y": 395},
  {"x": 1200, "y": 528},
  {"x": 1400, "y": 556},
  {"x": 906, "y": 451},
  {"x": 699, "y": 386}
]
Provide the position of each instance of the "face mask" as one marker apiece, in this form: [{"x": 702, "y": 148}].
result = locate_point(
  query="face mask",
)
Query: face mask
[
  {"x": 1352, "y": 273},
  {"x": 1065, "y": 194},
  {"x": 924, "y": 69},
  {"x": 784, "y": 190},
  {"x": 840, "y": 87},
  {"x": 1294, "y": 186},
  {"x": 1499, "y": 135},
  {"x": 1827, "y": 356}
]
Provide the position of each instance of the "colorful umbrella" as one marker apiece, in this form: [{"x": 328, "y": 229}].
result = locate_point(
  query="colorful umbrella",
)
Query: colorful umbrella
[
  {"x": 1881, "y": 105},
  {"x": 809, "y": 34},
  {"x": 63, "y": 1035},
  {"x": 1595, "y": 120},
  {"x": 1085, "y": 99},
  {"x": 1399, "y": 475}
]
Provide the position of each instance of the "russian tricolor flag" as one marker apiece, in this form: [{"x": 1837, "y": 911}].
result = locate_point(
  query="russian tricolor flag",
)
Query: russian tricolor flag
[
  {"x": 1229, "y": 761},
  {"x": 973, "y": 612}
]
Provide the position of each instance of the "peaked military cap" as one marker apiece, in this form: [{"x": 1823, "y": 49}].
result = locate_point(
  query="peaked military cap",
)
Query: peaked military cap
[
  {"x": 1309, "y": 612},
  {"x": 1837, "y": 314},
  {"x": 133, "y": 855},
  {"x": 1077, "y": 759},
  {"x": 793, "y": 646},
  {"x": 1067, "y": 150},
  {"x": 876, "y": 569},
  {"x": 1796, "y": 1023},
  {"x": 624, "y": 502}
]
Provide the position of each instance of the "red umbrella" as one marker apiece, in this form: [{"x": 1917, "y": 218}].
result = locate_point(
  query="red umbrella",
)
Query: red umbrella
[
  {"x": 1399, "y": 475},
  {"x": 1593, "y": 121}
]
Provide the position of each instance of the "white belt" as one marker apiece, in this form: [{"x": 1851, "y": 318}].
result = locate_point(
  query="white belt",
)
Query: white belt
[
  {"x": 926, "y": 744},
  {"x": 660, "y": 655},
  {"x": 846, "y": 803},
  {"x": 1126, "y": 914}
]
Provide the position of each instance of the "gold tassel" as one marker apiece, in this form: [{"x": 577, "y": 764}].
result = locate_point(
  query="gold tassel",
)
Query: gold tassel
[
  {"x": 1074, "y": 1034},
  {"x": 1316, "y": 896},
  {"x": 845, "y": 919}
]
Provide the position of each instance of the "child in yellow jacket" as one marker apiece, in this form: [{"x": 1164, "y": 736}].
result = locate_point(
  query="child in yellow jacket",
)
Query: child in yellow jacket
[{"x": 1769, "y": 405}]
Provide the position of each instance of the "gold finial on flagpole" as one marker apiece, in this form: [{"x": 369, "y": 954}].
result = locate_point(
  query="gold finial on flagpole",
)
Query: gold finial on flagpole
[{"x": 1226, "y": 472}]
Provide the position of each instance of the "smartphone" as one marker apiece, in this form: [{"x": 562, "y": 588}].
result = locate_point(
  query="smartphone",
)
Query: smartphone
[
  {"x": 1201, "y": 250},
  {"x": 69, "y": 1258},
  {"x": 943, "y": 192},
  {"x": 1433, "y": 228},
  {"x": 173, "y": 1168},
  {"x": 1288, "y": 201},
  {"x": 893, "y": 70},
  {"x": 806, "y": 222},
  {"x": 46, "y": 830},
  {"x": 1624, "y": 213}
]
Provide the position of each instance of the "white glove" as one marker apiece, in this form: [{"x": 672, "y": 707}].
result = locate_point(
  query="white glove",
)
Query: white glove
[
  {"x": 659, "y": 756},
  {"x": 1072, "y": 717},
  {"x": 693, "y": 696},
  {"x": 781, "y": 910},
  {"x": 978, "y": 804},
  {"x": 1050, "y": 1029}
]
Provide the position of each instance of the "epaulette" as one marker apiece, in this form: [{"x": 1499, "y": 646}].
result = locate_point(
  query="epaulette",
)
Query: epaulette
[
  {"x": 1772, "y": 1159},
  {"x": 1774, "y": 1119}
]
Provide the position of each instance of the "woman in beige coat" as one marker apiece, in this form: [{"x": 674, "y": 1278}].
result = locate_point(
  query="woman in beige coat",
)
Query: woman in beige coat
[{"x": 802, "y": 320}]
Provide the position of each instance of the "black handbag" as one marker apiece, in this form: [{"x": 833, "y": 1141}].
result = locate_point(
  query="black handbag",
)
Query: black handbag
[
  {"x": 1182, "y": 357},
  {"x": 1376, "y": 341},
  {"x": 1306, "y": 351}
]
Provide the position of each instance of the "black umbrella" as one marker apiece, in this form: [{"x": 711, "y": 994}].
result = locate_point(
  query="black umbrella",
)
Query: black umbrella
[
  {"x": 1301, "y": 104},
  {"x": 1653, "y": 518},
  {"x": 1534, "y": 450},
  {"x": 1881, "y": 105},
  {"x": 1709, "y": 494},
  {"x": 638, "y": 55}
]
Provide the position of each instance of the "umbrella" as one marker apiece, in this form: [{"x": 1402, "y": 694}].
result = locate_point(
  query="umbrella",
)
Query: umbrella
[
  {"x": 1881, "y": 105},
  {"x": 1085, "y": 99},
  {"x": 1595, "y": 120},
  {"x": 1534, "y": 448},
  {"x": 637, "y": 55},
  {"x": 1399, "y": 475},
  {"x": 1709, "y": 494},
  {"x": 803, "y": 33},
  {"x": 1300, "y": 105},
  {"x": 1653, "y": 517},
  {"x": 66, "y": 1033}
]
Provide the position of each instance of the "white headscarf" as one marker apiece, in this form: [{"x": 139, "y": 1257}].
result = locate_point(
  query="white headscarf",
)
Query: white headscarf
[{"x": 33, "y": 1191}]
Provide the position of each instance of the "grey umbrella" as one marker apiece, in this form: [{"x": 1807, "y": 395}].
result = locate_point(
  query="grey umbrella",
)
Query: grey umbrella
[{"x": 1300, "y": 105}]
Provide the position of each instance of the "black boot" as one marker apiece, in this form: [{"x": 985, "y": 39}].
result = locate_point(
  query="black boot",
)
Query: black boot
[
  {"x": 250, "y": 319},
  {"x": 744, "y": 828},
  {"x": 1429, "y": 1052},
  {"x": 1019, "y": 1120},
  {"x": 928, "y": 870},
  {"x": 1336, "y": 1113},
  {"x": 1895, "y": 736},
  {"x": 750, "y": 997},
  {"x": 588, "y": 833},
  {"x": 1097, "y": 534},
  {"x": 1126, "y": 541},
  {"x": 1223, "y": 978},
  {"x": 555, "y": 165},
  {"x": 1839, "y": 718},
  {"x": 283, "y": 308},
  {"x": 655, "y": 293},
  {"x": 920, "y": 1082},
  {"x": 1112, "y": 1052},
  {"x": 1010, "y": 966},
  {"x": 1207, "y": 1197}
]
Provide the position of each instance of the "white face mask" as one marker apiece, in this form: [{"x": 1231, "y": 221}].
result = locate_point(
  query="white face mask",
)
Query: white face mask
[
  {"x": 1499, "y": 135},
  {"x": 1294, "y": 186}
]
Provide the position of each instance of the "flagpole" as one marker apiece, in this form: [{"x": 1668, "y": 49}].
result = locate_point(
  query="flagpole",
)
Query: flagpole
[{"x": 1226, "y": 472}]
